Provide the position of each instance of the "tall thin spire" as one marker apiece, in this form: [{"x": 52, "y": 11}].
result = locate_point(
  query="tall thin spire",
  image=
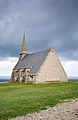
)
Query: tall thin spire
[
  {"x": 23, "y": 51},
  {"x": 24, "y": 44}
]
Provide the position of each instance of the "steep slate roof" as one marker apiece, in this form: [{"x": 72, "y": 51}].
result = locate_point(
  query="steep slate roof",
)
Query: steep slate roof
[{"x": 33, "y": 60}]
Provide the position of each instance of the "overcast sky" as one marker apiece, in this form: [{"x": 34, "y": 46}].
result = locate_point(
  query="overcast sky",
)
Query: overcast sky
[{"x": 46, "y": 23}]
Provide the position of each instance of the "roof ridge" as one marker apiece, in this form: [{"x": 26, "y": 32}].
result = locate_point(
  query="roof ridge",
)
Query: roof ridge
[{"x": 39, "y": 51}]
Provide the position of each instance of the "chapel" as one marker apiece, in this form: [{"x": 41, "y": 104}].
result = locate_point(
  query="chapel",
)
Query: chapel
[{"x": 38, "y": 67}]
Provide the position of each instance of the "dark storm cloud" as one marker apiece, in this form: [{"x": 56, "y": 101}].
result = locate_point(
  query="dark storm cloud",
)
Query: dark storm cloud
[{"x": 47, "y": 23}]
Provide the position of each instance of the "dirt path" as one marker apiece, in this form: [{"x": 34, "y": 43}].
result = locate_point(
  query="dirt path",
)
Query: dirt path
[{"x": 63, "y": 111}]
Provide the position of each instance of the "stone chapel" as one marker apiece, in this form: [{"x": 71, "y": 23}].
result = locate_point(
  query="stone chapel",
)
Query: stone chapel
[{"x": 38, "y": 67}]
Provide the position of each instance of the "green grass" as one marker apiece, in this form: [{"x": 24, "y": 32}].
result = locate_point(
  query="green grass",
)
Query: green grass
[{"x": 17, "y": 99}]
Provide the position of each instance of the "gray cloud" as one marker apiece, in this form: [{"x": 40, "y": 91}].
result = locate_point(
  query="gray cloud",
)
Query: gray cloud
[{"x": 47, "y": 23}]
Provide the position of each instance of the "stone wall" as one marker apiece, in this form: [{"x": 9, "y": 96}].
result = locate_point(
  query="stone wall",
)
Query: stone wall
[{"x": 51, "y": 70}]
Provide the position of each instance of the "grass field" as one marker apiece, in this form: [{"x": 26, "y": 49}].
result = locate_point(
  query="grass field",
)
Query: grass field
[{"x": 17, "y": 99}]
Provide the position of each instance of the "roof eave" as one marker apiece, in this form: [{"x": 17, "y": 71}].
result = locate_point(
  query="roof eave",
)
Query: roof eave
[{"x": 21, "y": 68}]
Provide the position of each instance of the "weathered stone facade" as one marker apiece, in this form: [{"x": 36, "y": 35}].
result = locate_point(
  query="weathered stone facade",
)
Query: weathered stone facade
[
  {"x": 51, "y": 70},
  {"x": 39, "y": 67}
]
